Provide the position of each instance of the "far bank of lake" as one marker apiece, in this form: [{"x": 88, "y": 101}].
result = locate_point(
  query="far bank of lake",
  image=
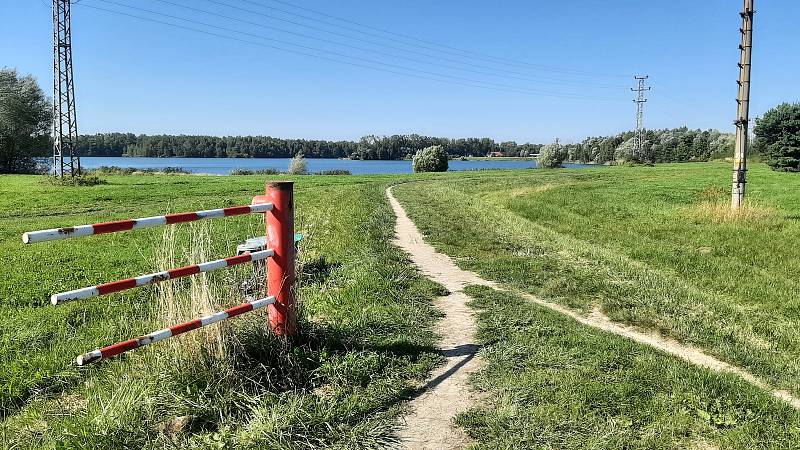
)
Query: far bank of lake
[{"x": 224, "y": 166}]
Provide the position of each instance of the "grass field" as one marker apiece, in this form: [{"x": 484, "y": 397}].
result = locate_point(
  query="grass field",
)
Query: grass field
[
  {"x": 647, "y": 246},
  {"x": 557, "y": 384},
  {"x": 653, "y": 247},
  {"x": 366, "y": 322}
]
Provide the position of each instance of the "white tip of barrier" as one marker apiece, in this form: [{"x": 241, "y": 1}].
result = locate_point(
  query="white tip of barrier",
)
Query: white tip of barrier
[
  {"x": 25, "y": 238},
  {"x": 88, "y": 358},
  {"x": 77, "y": 294}
]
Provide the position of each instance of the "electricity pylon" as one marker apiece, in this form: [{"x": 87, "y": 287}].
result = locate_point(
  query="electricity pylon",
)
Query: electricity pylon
[
  {"x": 638, "y": 142},
  {"x": 65, "y": 125}
]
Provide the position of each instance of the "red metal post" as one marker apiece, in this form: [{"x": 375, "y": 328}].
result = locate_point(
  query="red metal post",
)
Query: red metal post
[{"x": 280, "y": 268}]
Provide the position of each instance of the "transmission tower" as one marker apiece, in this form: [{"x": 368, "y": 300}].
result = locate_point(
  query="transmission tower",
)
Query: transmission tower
[
  {"x": 743, "y": 108},
  {"x": 65, "y": 125},
  {"x": 638, "y": 140}
]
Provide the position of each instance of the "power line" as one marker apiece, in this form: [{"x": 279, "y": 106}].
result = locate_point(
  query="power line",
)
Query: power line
[
  {"x": 414, "y": 72},
  {"x": 365, "y": 49},
  {"x": 382, "y": 44},
  {"x": 484, "y": 56}
]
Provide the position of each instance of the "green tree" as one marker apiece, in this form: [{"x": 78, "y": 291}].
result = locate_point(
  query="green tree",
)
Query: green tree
[
  {"x": 430, "y": 159},
  {"x": 778, "y": 137},
  {"x": 25, "y": 120},
  {"x": 552, "y": 155}
]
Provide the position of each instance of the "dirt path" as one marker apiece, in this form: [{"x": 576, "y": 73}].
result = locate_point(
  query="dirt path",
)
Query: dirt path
[
  {"x": 446, "y": 394},
  {"x": 429, "y": 425}
]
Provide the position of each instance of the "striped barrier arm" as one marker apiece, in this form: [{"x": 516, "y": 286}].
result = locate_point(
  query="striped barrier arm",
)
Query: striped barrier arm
[
  {"x": 130, "y": 283},
  {"x": 122, "y": 347},
  {"x": 57, "y": 234}
]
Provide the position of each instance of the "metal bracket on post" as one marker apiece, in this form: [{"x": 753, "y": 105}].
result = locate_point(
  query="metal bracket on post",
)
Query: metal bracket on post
[{"x": 281, "y": 267}]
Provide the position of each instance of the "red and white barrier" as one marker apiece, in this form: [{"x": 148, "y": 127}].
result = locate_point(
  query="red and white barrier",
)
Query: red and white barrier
[
  {"x": 56, "y": 234},
  {"x": 122, "y": 347},
  {"x": 130, "y": 283}
]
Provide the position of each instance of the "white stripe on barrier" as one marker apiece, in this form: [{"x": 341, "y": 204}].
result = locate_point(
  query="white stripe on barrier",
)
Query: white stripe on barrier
[
  {"x": 149, "y": 222},
  {"x": 262, "y": 302},
  {"x": 213, "y": 318},
  {"x": 261, "y": 207},
  {"x": 212, "y": 265},
  {"x": 160, "y": 335},
  {"x": 148, "y": 279},
  {"x": 213, "y": 213}
]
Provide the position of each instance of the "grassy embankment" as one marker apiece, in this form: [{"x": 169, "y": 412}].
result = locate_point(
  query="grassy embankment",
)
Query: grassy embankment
[
  {"x": 366, "y": 321},
  {"x": 653, "y": 247}
]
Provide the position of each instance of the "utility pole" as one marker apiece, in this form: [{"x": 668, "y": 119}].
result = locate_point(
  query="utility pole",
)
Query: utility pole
[
  {"x": 638, "y": 141},
  {"x": 743, "y": 107},
  {"x": 65, "y": 125}
]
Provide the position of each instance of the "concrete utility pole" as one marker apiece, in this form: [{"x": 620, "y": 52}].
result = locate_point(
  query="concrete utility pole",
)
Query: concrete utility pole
[
  {"x": 638, "y": 141},
  {"x": 743, "y": 111},
  {"x": 65, "y": 125}
]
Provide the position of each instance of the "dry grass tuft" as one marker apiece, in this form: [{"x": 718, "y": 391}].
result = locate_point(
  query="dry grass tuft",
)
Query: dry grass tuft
[
  {"x": 714, "y": 206},
  {"x": 178, "y": 304},
  {"x": 721, "y": 212}
]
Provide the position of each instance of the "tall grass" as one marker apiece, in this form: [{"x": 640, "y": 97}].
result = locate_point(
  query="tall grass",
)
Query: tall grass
[
  {"x": 714, "y": 205},
  {"x": 339, "y": 383},
  {"x": 203, "y": 296}
]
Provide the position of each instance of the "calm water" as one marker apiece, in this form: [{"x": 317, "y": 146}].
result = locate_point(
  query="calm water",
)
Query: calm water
[{"x": 223, "y": 166}]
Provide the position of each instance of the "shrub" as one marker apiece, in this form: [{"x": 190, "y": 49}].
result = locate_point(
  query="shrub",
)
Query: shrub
[
  {"x": 169, "y": 169},
  {"x": 116, "y": 170},
  {"x": 552, "y": 156},
  {"x": 81, "y": 180},
  {"x": 430, "y": 159},
  {"x": 778, "y": 137},
  {"x": 267, "y": 171},
  {"x": 298, "y": 166},
  {"x": 335, "y": 172}
]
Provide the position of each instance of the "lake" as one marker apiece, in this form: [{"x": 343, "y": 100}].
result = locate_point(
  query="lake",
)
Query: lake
[{"x": 224, "y": 166}]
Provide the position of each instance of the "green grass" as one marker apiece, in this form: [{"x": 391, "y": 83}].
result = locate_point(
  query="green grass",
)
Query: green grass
[
  {"x": 648, "y": 246},
  {"x": 555, "y": 383},
  {"x": 366, "y": 323},
  {"x": 645, "y": 245}
]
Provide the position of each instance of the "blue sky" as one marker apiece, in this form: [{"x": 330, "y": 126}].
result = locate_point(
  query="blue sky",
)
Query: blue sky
[{"x": 147, "y": 77}]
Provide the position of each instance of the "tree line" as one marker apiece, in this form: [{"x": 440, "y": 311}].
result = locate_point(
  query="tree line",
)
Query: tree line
[
  {"x": 367, "y": 148},
  {"x": 659, "y": 146},
  {"x": 668, "y": 145}
]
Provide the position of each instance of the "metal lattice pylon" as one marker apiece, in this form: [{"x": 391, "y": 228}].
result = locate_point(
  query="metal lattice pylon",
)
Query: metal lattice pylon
[
  {"x": 638, "y": 142},
  {"x": 65, "y": 125}
]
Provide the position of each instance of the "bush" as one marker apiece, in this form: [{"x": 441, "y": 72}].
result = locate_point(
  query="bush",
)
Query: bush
[
  {"x": 116, "y": 170},
  {"x": 430, "y": 159},
  {"x": 334, "y": 172},
  {"x": 778, "y": 137},
  {"x": 552, "y": 156},
  {"x": 268, "y": 171},
  {"x": 81, "y": 180},
  {"x": 298, "y": 166}
]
